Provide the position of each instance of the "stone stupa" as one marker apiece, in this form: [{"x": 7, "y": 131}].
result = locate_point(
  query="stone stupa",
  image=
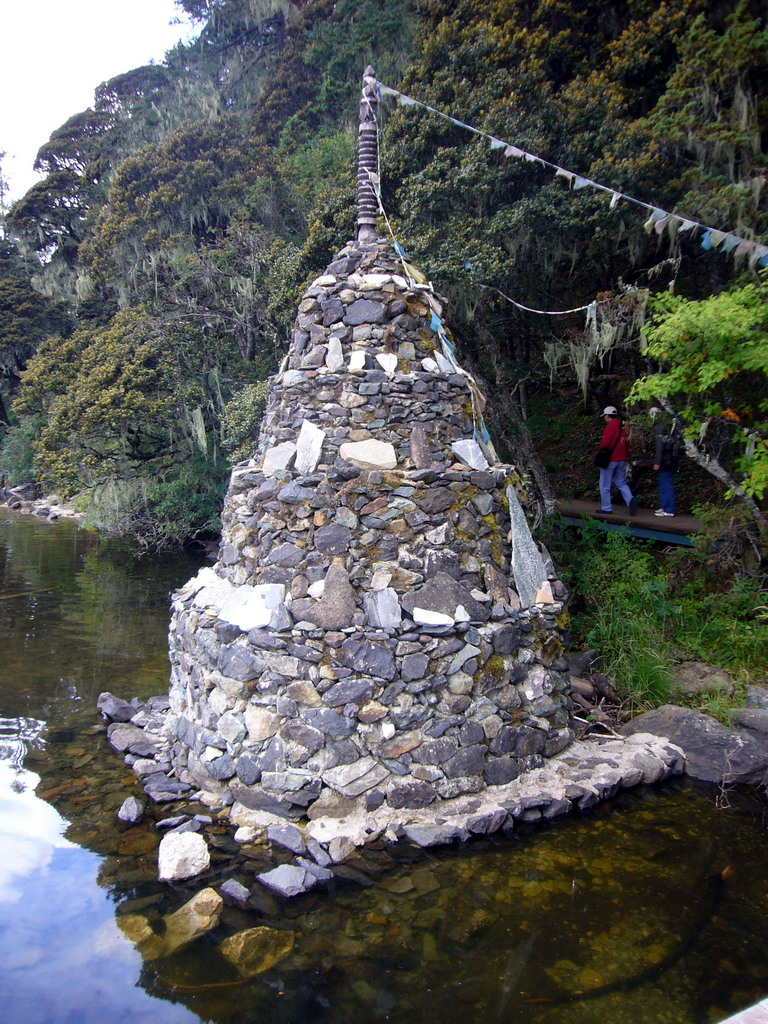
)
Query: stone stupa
[{"x": 380, "y": 644}]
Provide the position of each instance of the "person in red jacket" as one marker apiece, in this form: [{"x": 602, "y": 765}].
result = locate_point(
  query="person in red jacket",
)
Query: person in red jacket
[{"x": 616, "y": 443}]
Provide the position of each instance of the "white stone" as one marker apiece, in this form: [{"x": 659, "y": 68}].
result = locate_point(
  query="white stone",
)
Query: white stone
[
  {"x": 334, "y": 357},
  {"x": 427, "y": 618},
  {"x": 444, "y": 364},
  {"x": 214, "y": 595},
  {"x": 387, "y": 361},
  {"x": 479, "y": 595},
  {"x": 182, "y": 855},
  {"x": 309, "y": 447},
  {"x": 387, "y": 730},
  {"x": 357, "y": 360},
  {"x": 372, "y": 282},
  {"x": 371, "y": 454},
  {"x": 245, "y": 834},
  {"x": 429, "y": 365},
  {"x": 381, "y": 579},
  {"x": 261, "y": 723},
  {"x": 382, "y": 608},
  {"x": 470, "y": 453},
  {"x": 253, "y": 607},
  {"x": 206, "y": 577},
  {"x": 439, "y": 536},
  {"x": 399, "y": 281},
  {"x": 461, "y": 614},
  {"x": 278, "y": 458},
  {"x": 324, "y": 282},
  {"x": 316, "y": 589}
]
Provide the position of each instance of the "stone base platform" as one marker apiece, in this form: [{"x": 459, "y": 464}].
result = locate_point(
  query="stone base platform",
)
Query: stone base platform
[{"x": 584, "y": 774}]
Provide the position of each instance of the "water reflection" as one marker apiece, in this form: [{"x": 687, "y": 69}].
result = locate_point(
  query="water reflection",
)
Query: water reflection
[{"x": 653, "y": 910}]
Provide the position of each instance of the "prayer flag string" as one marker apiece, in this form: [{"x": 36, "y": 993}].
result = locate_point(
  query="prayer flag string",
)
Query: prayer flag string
[{"x": 659, "y": 220}]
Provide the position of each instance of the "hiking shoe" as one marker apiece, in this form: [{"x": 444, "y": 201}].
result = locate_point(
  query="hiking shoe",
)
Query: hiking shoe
[
  {"x": 661, "y": 512},
  {"x": 632, "y": 507},
  {"x": 603, "y": 511},
  {"x": 658, "y": 511}
]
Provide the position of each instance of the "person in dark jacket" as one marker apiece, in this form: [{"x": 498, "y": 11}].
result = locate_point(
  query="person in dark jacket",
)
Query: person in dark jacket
[
  {"x": 666, "y": 461},
  {"x": 614, "y": 449}
]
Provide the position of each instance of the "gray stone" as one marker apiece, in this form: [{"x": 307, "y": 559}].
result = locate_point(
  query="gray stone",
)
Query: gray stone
[
  {"x": 294, "y": 494},
  {"x": 436, "y": 751},
  {"x": 287, "y": 880},
  {"x": 527, "y": 564},
  {"x": 434, "y": 835},
  {"x": 332, "y": 539},
  {"x": 752, "y": 720},
  {"x": 468, "y": 761},
  {"x": 414, "y": 666},
  {"x": 694, "y": 677},
  {"x": 287, "y": 556},
  {"x": 131, "y": 811},
  {"x": 410, "y": 794},
  {"x": 238, "y": 662},
  {"x": 336, "y": 608},
  {"x": 365, "y": 311},
  {"x": 370, "y": 454},
  {"x": 470, "y": 453},
  {"x": 287, "y": 836},
  {"x": 498, "y": 771},
  {"x": 296, "y": 731},
  {"x": 329, "y": 721},
  {"x": 248, "y": 770},
  {"x": 443, "y": 595},
  {"x": 221, "y": 768},
  {"x": 278, "y": 458},
  {"x": 382, "y": 608},
  {"x": 348, "y": 691},
  {"x": 235, "y": 891},
  {"x": 115, "y": 708},
  {"x": 371, "y": 658}
]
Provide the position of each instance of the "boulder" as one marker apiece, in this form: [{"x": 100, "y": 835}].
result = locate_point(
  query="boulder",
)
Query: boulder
[
  {"x": 713, "y": 752},
  {"x": 182, "y": 855},
  {"x": 255, "y": 950},
  {"x": 697, "y": 677}
]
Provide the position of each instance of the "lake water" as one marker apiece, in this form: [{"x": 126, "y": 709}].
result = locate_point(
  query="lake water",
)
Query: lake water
[{"x": 653, "y": 909}]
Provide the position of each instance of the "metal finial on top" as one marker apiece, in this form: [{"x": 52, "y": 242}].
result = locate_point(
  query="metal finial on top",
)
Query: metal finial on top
[{"x": 367, "y": 159}]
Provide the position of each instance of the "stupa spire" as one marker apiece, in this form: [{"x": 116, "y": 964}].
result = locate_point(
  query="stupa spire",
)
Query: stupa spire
[{"x": 367, "y": 158}]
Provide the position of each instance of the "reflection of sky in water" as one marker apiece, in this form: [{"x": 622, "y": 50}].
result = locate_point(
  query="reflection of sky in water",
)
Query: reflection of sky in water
[{"x": 62, "y": 957}]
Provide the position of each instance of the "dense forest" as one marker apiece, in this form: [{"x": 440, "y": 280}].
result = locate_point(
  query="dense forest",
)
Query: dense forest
[{"x": 149, "y": 280}]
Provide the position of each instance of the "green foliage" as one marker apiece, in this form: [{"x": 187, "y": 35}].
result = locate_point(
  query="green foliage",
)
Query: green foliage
[
  {"x": 138, "y": 397},
  {"x": 17, "y": 451},
  {"x": 242, "y": 419},
  {"x": 628, "y": 613},
  {"x": 646, "y": 612},
  {"x": 161, "y": 512},
  {"x": 714, "y": 368}
]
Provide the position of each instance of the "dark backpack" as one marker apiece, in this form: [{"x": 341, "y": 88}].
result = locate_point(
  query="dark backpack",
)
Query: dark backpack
[{"x": 671, "y": 451}]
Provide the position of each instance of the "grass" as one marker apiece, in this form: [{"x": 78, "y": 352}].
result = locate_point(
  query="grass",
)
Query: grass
[{"x": 646, "y": 612}]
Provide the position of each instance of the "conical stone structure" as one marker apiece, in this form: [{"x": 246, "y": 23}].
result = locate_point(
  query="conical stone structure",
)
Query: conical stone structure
[{"x": 379, "y": 623}]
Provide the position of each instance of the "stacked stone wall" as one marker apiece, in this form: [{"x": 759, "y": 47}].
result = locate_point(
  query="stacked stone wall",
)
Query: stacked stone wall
[{"x": 379, "y": 626}]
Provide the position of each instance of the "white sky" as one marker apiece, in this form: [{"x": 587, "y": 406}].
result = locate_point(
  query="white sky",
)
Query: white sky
[{"x": 55, "y": 53}]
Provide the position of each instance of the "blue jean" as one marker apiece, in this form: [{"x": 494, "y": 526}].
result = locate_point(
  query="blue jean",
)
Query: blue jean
[
  {"x": 667, "y": 490},
  {"x": 614, "y": 473}
]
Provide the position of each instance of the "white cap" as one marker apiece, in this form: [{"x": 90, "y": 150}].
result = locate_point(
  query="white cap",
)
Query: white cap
[{"x": 610, "y": 410}]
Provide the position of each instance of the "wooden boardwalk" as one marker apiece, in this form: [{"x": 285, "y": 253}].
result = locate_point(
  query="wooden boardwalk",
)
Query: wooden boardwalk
[
  {"x": 678, "y": 529},
  {"x": 757, "y": 1014}
]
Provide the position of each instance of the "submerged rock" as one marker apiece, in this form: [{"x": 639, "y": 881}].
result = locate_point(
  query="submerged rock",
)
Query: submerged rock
[
  {"x": 257, "y": 949},
  {"x": 131, "y": 811}
]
